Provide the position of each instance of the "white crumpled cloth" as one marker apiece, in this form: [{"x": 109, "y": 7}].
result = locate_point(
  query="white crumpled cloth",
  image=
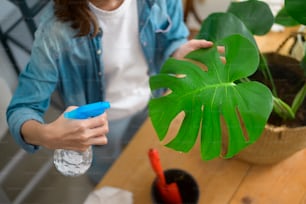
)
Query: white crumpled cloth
[{"x": 109, "y": 195}]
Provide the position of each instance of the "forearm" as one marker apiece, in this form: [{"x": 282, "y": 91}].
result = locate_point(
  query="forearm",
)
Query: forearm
[
  {"x": 63, "y": 133},
  {"x": 34, "y": 133}
]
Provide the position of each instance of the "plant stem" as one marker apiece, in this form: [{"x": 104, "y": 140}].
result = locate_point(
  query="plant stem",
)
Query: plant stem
[
  {"x": 298, "y": 99},
  {"x": 266, "y": 72},
  {"x": 282, "y": 109}
]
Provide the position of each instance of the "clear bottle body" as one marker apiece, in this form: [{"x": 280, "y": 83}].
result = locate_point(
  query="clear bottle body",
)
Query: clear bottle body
[{"x": 72, "y": 163}]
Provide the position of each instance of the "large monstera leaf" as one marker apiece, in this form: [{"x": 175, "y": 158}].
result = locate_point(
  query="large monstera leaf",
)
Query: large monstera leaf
[
  {"x": 220, "y": 25},
  {"x": 296, "y": 9},
  {"x": 292, "y": 14},
  {"x": 256, "y": 15},
  {"x": 208, "y": 97}
]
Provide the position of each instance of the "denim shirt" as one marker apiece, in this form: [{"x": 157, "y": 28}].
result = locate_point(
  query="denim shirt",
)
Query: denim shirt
[{"x": 72, "y": 65}]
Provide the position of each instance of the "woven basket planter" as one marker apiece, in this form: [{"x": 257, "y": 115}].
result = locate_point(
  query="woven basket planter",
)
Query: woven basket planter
[
  {"x": 279, "y": 142},
  {"x": 274, "y": 145}
]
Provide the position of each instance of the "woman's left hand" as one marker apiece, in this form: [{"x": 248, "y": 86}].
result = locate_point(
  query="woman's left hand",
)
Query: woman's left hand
[{"x": 195, "y": 44}]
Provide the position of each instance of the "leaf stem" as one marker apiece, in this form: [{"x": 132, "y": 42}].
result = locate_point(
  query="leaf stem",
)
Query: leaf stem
[{"x": 266, "y": 72}]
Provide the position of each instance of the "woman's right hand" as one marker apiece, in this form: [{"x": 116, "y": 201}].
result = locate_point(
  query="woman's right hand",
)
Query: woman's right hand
[{"x": 65, "y": 133}]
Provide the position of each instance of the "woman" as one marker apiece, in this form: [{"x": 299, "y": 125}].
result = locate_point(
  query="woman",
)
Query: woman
[{"x": 89, "y": 51}]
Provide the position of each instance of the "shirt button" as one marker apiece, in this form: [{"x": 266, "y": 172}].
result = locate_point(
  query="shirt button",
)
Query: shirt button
[
  {"x": 145, "y": 44},
  {"x": 99, "y": 52},
  {"x": 100, "y": 73}
]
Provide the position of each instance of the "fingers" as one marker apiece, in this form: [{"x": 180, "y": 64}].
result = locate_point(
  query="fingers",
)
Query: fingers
[
  {"x": 197, "y": 44},
  {"x": 91, "y": 131},
  {"x": 97, "y": 121},
  {"x": 99, "y": 140},
  {"x": 191, "y": 45},
  {"x": 95, "y": 134},
  {"x": 96, "y": 129},
  {"x": 223, "y": 60},
  {"x": 86, "y": 143},
  {"x": 70, "y": 108},
  {"x": 221, "y": 49},
  {"x": 88, "y": 137}
]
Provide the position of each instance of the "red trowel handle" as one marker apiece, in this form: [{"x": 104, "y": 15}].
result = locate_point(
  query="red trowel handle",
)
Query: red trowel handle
[{"x": 156, "y": 165}]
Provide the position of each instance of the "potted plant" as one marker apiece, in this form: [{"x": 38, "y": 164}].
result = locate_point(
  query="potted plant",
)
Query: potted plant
[{"x": 230, "y": 111}]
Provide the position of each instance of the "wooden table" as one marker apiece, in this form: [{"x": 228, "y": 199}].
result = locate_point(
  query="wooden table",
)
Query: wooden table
[{"x": 220, "y": 181}]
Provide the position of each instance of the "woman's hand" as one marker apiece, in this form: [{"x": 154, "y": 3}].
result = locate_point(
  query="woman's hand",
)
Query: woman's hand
[
  {"x": 189, "y": 46},
  {"x": 195, "y": 44},
  {"x": 68, "y": 133}
]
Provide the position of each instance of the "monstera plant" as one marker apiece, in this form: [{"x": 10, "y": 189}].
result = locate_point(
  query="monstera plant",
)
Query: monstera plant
[
  {"x": 293, "y": 14},
  {"x": 210, "y": 93}
]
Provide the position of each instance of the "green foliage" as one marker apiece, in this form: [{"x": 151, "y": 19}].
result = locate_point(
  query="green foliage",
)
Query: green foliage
[
  {"x": 223, "y": 94},
  {"x": 283, "y": 18},
  {"x": 220, "y": 25},
  {"x": 292, "y": 14},
  {"x": 207, "y": 96},
  {"x": 303, "y": 64},
  {"x": 249, "y": 12},
  {"x": 256, "y": 15},
  {"x": 296, "y": 9}
]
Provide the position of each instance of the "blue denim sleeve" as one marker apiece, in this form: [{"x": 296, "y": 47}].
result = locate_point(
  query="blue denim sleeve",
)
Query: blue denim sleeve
[
  {"x": 16, "y": 120},
  {"x": 178, "y": 33},
  {"x": 171, "y": 31},
  {"x": 32, "y": 96}
]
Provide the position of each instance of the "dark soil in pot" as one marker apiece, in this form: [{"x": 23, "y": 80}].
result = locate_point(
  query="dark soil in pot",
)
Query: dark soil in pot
[{"x": 289, "y": 78}]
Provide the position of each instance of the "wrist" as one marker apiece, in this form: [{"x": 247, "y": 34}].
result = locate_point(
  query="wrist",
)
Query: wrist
[
  {"x": 176, "y": 54},
  {"x": 35, "y": 133}
]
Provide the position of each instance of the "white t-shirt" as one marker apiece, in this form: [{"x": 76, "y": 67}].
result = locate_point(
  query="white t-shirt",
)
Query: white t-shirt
[{"x": 125, "y": 68}]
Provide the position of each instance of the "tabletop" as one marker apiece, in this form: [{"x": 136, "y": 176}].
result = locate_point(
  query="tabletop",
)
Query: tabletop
[{"x": 220, "y": 181}]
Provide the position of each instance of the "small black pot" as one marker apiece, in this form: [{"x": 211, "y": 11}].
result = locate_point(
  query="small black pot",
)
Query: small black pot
[{"x": 188, "y": 187}]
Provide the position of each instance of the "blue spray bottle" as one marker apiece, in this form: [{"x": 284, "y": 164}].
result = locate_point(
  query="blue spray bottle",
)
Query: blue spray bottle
[{"x": 75, "y": 163}]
